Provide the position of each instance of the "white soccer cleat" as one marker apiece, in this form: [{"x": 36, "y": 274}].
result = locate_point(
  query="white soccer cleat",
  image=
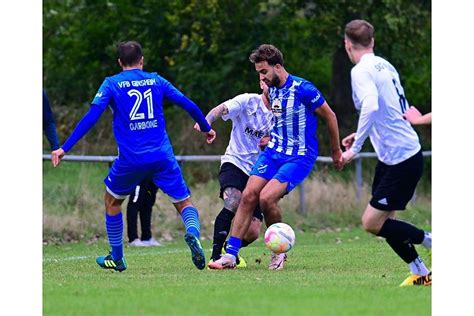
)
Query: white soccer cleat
[
  {"x": 278, "y": 261},
  {"x": 226, "y": 261}
]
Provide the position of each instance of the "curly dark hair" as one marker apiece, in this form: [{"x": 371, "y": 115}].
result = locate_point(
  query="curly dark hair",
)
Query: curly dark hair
[{"x": 268, "y": 53}]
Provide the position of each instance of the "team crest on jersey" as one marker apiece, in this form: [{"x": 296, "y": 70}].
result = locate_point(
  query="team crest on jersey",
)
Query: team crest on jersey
[{"x": 276, "y": 107}]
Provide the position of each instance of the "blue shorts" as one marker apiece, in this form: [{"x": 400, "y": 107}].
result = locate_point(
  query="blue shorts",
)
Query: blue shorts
[
  {"x": 165, "y": 173},
  {"x": 284, "y": 168}
]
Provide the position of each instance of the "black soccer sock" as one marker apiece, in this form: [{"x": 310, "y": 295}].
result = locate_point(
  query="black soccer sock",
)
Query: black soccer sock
[
  {"x": 401, "y": 236},
  {"x": 221, "y": 231},
  {"x": 399, "y": 231},
  {"x": 405, "y": 251}
]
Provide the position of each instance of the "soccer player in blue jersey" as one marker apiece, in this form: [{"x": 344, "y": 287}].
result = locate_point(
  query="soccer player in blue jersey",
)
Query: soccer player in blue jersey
[
  {"x": 136, "y": 100},
  {"x": 291, "y": 153}
]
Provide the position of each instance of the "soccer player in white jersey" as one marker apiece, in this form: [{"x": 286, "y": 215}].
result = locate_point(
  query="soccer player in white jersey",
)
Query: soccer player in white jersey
[
  {"x": 291, "y": 153},
  {"x": 251, "y": 118},
  {"x": 380, "y": 99}
]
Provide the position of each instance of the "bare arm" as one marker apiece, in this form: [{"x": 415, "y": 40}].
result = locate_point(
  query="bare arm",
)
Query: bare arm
[
  {"x": 325, "y": 112},
  {"x": 214, "y": 114},
  {"x": 217, "y": 112},
  {"x": 415, "y": 117}
]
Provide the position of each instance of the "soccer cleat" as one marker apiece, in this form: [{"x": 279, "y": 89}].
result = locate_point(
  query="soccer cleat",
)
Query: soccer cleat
[
  {"x": 197, "y": 252},
  {"x": 278, "y": 261},
  {"x": 152, "y": 242},
  {"x": 239, "y": 261},
  {"x": 415, "y": 279},
  {"x": 225, "y": 262},
  {"x": 137, "y": 243},
  {"x": 107, "y": 262}
]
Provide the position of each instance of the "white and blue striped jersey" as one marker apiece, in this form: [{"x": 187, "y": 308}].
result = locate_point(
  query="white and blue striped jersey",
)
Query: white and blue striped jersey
[
  {"x": 293, "y": 106},
  {"x": 251, "y": 120}
]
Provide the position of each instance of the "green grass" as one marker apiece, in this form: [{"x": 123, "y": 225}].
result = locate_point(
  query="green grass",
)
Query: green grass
[{"x": 346, "y": 272}]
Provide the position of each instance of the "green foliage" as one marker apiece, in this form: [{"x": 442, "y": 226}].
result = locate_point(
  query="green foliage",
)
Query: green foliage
[{"x": 202, "y": 47}]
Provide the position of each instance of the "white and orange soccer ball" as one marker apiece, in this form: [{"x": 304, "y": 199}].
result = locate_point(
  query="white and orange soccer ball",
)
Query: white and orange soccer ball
[{"x": 279, "y": 238}]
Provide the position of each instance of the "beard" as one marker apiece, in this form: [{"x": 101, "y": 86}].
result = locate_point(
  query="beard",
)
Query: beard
[{"x": 274, "y": 81}]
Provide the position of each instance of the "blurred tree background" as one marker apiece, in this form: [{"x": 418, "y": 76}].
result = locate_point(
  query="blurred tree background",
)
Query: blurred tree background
[{"x": 202, "y": 47}]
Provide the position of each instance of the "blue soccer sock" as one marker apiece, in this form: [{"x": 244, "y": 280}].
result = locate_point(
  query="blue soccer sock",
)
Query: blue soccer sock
[
  {"x": 190, "y": 218},
  {"x": 114, "y": 226},
  {"x": 233, "y": 246}
]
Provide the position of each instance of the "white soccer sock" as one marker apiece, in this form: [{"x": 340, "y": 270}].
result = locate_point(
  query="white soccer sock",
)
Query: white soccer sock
[
  {"x": 418, "y": 267},
  {"x": 427, "y": 240}
]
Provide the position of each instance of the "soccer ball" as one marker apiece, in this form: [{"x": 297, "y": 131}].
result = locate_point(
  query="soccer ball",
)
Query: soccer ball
[{"x": 279, "y": 238}]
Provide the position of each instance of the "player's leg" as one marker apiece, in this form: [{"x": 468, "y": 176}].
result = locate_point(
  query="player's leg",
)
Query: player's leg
[
  {"x": 168, "y": 178},
  {"x": 223, "y": 220},
  {"x": 263, "y": 170},
  {"x": 254, "y": 230},
  {"x": 400, "y": 236},
  {"x": 190, "y": 217},
  {"x": 232, "y": 181},
  {"x": 132, "y": 217},
  {"x": 120, "y": 182},
  {"x": 269, "y": 197},
  {"x": 114, "y": 227},
  {"x": 242, "y": 220},
  {"x": 291, "y": 173},
  {"x": 393, "y": 188},
  {"x": 149, "y": 197}
]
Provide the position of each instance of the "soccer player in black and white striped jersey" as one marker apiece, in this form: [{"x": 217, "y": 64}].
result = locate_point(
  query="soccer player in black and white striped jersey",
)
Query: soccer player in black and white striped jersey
[{"x": 380, "y": 99}]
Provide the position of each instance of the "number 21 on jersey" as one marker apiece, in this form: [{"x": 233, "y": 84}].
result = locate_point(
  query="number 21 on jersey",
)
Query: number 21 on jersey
[{"x": 134, "y": 114}]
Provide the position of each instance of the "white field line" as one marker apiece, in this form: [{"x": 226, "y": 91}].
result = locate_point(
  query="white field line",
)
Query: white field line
[
  {"x": 129, "y": 254},
  {"x": 158, "y": 251}
]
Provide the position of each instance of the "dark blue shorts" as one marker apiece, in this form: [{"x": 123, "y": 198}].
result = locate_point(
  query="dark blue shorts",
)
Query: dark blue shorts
[{"x": 165, "y": 173}]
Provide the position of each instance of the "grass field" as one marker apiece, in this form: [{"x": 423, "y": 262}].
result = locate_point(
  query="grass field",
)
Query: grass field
[{"x": 346, "y": 272}]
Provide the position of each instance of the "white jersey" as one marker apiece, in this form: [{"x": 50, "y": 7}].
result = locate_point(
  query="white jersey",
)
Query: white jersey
[
  {"x": 251, "y": 120},
  {"x": 379, "y": 96}
]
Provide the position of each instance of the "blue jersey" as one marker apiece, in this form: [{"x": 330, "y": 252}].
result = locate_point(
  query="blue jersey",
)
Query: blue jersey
[
  {"x": 136, "y": 100},
  {"x": 293, "y": 106}
]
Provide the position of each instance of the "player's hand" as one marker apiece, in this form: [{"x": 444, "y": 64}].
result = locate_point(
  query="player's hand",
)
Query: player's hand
[
  {"x": 347, "y": 156},
  {"x": 211, "y": 136},
  {"x": 348, "y": 141},
  {"x": 56, "y": 156},
  {"x": 263, "y": 142},
  {"x": 412, "y": 114},
  {"x": 337, "y": 159},
  {"x": 196, "y": 127}
]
